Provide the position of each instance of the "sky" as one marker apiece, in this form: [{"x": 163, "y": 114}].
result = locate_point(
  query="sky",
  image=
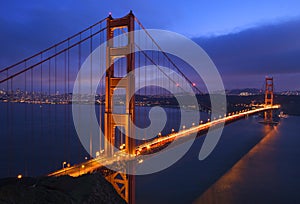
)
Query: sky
[{"x": 247, "y": 40}]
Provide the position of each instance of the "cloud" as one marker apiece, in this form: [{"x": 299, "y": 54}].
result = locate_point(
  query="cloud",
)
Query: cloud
[
  {"x": 267, "y": 49},
  {"x": 272, "y": 49}
]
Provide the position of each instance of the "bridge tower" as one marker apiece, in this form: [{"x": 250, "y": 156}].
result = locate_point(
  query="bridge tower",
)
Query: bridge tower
[
  {"x": 269, "y": 98},
  {"x": 123, "y": 183}
]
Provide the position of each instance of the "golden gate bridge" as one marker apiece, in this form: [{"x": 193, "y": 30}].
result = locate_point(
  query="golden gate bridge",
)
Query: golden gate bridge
[{"x": 47, "y": 79}]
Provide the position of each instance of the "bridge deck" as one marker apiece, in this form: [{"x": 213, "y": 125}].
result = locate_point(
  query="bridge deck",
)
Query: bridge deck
[{"x": 96, "y": 163}]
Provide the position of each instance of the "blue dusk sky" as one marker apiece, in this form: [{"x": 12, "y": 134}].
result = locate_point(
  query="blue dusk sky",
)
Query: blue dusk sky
[{"x": 247, "y": 40}]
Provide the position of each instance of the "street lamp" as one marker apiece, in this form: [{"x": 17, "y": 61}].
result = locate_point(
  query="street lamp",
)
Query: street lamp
[
  {"x": 63, "y": 164},
  {"x": 82, "y": 166}
]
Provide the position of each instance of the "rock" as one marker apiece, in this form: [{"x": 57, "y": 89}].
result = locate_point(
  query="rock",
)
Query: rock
[{"x": 86, "y": 189}]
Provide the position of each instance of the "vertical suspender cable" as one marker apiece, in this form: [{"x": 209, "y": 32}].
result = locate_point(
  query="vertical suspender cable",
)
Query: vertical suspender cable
[
  {"x": 31, "y": 114},
  {"x": 91, "y": 92},
  {"x": 100, "y": 95},
  {"x": 40, "y": 136},
  {"x": 50, "y": 131},
  {"x": 8, "y": 121},
  {"x": 65, "y": 109},
  {"x": 11, "y": 126},
  {"x": 56, "y": 136},
  {"x": 79, "y": 90},
  {"x": 26, "y": 149},
  {"x": 68, "y": 93}
]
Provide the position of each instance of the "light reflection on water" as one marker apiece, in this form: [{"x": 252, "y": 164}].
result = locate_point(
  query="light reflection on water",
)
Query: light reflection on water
[{"x": 264, "y": 175}]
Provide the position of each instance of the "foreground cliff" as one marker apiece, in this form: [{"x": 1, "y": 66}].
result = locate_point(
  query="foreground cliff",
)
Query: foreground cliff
[{"x": 90, "y": 188}]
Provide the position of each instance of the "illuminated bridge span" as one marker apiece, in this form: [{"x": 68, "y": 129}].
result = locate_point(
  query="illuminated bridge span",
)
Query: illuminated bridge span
[
  {"x": 94, "y": 164},
  {"x": 36, "y": 93}
]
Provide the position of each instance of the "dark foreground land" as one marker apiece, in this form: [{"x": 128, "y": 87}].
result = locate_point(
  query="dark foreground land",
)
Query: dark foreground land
[{"x": 90, "y": 188}]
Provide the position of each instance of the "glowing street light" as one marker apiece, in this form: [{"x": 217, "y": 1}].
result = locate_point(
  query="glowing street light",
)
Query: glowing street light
[
  {"x": 122, "y": 146},
  {"x": 19, "y": 176},
  {"x": 63, "y": 164}
]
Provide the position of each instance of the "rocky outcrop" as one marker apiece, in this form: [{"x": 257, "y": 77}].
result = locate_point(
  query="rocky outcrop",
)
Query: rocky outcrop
[{"x": 86, "y": 189}]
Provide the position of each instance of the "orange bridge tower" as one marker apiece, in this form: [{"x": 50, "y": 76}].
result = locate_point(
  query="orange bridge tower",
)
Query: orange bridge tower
[
  {"x": 269, "y": 99},
  {"x": 114, "y": 122}
]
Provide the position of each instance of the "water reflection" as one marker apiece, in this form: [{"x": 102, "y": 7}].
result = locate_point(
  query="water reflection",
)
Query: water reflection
[{"x": 239, "y": 183}]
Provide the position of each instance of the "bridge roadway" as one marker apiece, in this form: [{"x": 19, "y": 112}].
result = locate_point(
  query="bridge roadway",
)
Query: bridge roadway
[{"x": 95, "y": 163}]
